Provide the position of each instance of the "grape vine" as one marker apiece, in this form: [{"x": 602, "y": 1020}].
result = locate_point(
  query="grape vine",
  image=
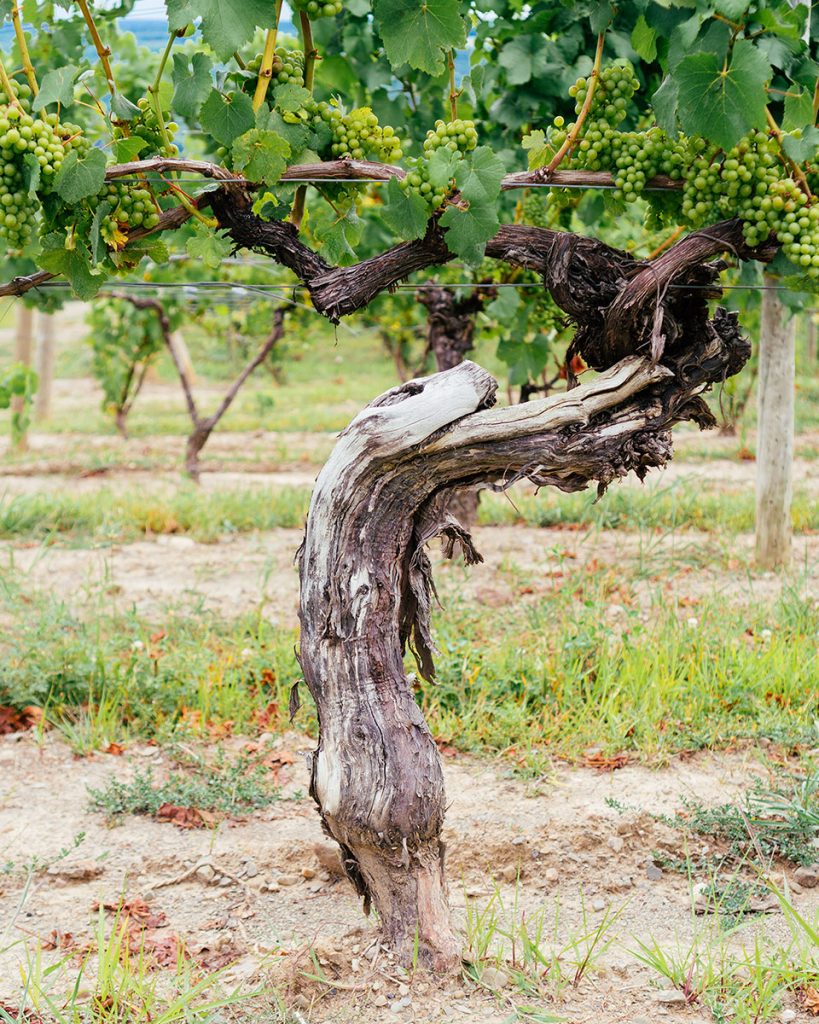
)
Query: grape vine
[{"x": 752, "y": 180}]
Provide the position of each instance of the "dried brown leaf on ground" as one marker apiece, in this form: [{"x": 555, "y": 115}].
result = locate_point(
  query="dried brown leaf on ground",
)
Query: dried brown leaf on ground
[
  {"x": 603, "y": 763},
  {"x": 19, "y": 719},
  {"x": 809, "y": 1000},
  {"x": 186, "y": 817}
]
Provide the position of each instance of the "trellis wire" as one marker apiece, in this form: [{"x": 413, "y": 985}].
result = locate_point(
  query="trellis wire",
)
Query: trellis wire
[{"x": 476, "y": 285}]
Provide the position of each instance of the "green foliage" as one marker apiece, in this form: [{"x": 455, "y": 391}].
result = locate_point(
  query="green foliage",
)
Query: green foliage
[
  {"x": 228, "y": 786},
  {"x": 420, "y": 34},
  {"x": 21, "y": 382},
  {"x": 707, "y": 83},
  {"x": 723, "y": 104}
]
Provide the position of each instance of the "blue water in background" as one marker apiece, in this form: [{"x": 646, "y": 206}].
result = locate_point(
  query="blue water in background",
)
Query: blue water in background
[{"x": 150, "y": 32}]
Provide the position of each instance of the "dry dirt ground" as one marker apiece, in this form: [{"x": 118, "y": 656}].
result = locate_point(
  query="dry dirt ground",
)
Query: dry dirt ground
[
  {"x": 262, "y": 895},
  {"x": 561, "y": 836}
]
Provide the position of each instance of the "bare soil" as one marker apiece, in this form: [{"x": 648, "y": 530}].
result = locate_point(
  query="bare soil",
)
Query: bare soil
[
  {"x": 521, "y": 564},
  {"x": 573, "y": 852},
  {"x": 568, "y": 846}
]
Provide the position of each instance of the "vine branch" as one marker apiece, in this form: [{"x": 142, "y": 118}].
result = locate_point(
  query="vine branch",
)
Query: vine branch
[
  {"x": 103, "y": 52},
  {"x": 22, "y": 45},
  {"x": 572, "y": 136},
  {"x": 266, "y": 69}
]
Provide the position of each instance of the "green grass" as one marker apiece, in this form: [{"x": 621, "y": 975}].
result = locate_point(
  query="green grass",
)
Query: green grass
[
  {"x": 547, "y": 678},
  {"x": 129, "y": 513}
]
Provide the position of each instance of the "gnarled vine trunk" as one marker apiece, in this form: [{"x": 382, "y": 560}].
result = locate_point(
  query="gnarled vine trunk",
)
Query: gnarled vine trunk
[{"x": 366, "y": 586}]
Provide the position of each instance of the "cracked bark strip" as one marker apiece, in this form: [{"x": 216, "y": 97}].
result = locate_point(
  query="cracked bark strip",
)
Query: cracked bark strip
[{"x": 366, "y": 585}]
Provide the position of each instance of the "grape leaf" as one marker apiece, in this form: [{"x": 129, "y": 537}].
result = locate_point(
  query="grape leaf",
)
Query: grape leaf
[
  {"x": 798, "y": 110},
  {"x": 419, "y": 32},
  {"x": 211, "y": 247},
  {"x": 290, "y": 97},
  {"x": 505, "y": 306},
  {"x": 80, "y": 176},
  {"x": 527, "y": 57},
  {"x": 479, "y": 177},
  {"x": 226, "y": 24},
  {"x": 441, "y": 166},
  {"x": 98, "y": 247},
  {"x": 32, "y": 173},
  {"x": 122, "y": 108},
  {"x": 57, "y": 86},
  {"x": 192, "y": 83},
  {"x": 803, "y": 148},
  {"x": 664, "y": 101},
  {"x": 644, "y": 39},
  {"x": 128, "y": 149},
  {"x": 261, "y": 155},
  {"x": 154, "y": 248},
  {"x": 525, "y": 359},
  {"x": 71, "y": 263},
  {"x": 340, "y": 239},
  {"x": 227, "y": 117},
  {"x": 270, "y": 207},
  {"x": 540, "y": 152},
  {"x": 468, "y": 230},
  {"x": 723, "y": 105},
  {"x": 405, "y": 213}
]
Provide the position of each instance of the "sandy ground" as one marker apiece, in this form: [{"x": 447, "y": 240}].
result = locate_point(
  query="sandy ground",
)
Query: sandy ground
[
  {"x": 570, "y": 848},
  {"x": 521, "y": 564},
  {"x": 561, "y": 837}
]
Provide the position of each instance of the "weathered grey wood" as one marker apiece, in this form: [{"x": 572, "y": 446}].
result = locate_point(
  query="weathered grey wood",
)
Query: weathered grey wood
[
  {"x": 22, "y": 354},
  {"x": 45, "y": 365},
  {"x": 775, "y": 431},
  {"x": 366, "y": 586}
]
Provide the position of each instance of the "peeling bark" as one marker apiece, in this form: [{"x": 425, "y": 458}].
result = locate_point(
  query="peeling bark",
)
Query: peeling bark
[{"x": 367, "y": 590}]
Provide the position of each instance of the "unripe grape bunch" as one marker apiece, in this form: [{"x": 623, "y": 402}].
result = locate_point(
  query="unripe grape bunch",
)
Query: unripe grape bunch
[
  {"x": 458, "y": 136},
  {"x": 146, "y": 126},
  {"x": 26, "y": 142},
  {"x": 750, "y": 181},
  {"x": 317, "y": 9},
  {"x": 287, "y": 69},
  {"x": 357, "y": 135}
]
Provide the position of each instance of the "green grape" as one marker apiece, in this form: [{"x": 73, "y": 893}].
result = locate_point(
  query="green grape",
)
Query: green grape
[
  {"x": 146, "y": 126},
  {"x": 287, "y": 68},
  {"x": 318, "y": 8}
]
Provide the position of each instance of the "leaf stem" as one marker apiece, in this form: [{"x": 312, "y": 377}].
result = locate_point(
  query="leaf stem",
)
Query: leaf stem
[
  {"x": 310, "y": 54},
  {"x": 310, "y": 51},
  {"x": 185, "y": 200},
  {"x": 153, "y": 89},
  {"x": 572, "y": 137},
  {"x": 103, "y": 52},
  {"x": 266, "y": 69},
  {"x": 8, "y": 86},
  {"x": 453, "y": 93},
  {"x": 22, "y": 45},
  {"x": 675, "y": 234}
]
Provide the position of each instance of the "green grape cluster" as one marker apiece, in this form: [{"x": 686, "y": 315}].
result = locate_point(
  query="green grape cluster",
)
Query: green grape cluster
[
  {"x": 458, "y": 136},
  {"x": 132, "y": 208},
  {"x": 26, "y": 143},
  {"x": 147, "y": 127},
  {"x": 616, "y": 84},
  {"x": 357, "y": 134},
  {"x": 287, "y": 68},
  {"x": 319, "y": 9},
  {"x": 750, "y": 181}
]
